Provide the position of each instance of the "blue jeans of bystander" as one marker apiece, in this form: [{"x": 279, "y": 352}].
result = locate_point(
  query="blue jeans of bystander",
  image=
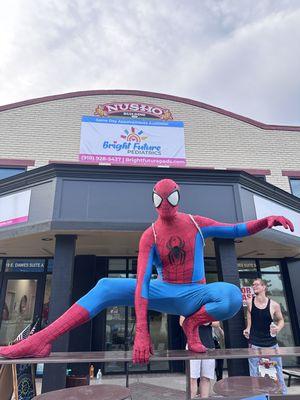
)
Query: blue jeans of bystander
[{"x": 253, "y": 366}]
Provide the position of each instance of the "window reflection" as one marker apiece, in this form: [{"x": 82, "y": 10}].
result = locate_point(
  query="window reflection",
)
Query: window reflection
[
  {"x": 269, "y": 266},
  {"x": 210, "y": 265},
  {"x": 130, "y": 340},
  {"x": 276, "y": 293},
  {"x": 115, "y": 335},
  {"x": 18, "y": 311},
  {"x": 46, "y": 302},
  {"x": 211, "y": 277},
  {"x": 117, "y": 264},
  {"x": 120, "y": 323},
  {"x": 159, "y": 335}
]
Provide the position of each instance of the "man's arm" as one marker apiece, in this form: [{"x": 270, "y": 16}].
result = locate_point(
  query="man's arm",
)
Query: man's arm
[
  {"x": 246, "y": 331},
  {"x": 278, "y": 317},
  {"x": 212, "y": 228},
  {"x": 142, "y": 342},
  {"x": 217, "y": 326}
]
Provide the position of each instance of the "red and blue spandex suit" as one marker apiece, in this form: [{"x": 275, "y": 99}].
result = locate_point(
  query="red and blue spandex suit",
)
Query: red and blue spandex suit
[{"x": 174, "y": 244}]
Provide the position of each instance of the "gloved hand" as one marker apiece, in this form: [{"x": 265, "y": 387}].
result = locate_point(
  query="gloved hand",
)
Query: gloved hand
[
  {"x": 275, "y": 220},
  {"x": 142, "y": 347},
  {"x": 268, "y": 222}
]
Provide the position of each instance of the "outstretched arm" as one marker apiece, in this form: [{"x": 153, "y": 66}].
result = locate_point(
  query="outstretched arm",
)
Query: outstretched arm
[
  {"x": 212, "y": 228},
  {"x": 142, "y": 342}
]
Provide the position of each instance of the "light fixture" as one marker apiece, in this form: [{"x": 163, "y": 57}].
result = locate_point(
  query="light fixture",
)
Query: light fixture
[{"x": 47, "y": 239}]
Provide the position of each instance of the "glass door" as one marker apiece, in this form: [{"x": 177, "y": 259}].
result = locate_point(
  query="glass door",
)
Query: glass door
[
  {"x": 120, "y": 324},
  {"x": 18, "y": 305}
]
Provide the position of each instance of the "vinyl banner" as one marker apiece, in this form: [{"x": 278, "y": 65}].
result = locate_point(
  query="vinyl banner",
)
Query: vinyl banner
[
  {"x": 14, "y": 208},
  {"x": 132, "y": 141}
]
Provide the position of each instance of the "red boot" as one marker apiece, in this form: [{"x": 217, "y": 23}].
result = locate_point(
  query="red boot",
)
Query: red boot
[
  {"x": 190, "y": 327},
  {"x": 40, "y": 344}
]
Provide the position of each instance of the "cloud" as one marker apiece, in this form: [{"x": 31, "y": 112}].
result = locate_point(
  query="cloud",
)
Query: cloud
[{"x": 239, "y": 55}]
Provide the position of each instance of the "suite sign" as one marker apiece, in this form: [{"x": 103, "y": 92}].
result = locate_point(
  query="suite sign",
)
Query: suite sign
[{"x": 133, "y": 110}]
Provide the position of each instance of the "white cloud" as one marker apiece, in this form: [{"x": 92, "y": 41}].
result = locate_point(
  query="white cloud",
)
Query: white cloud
[{"x": 236, "y": 54}]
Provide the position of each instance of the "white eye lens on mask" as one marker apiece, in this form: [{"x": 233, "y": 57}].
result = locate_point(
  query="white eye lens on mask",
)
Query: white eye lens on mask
[
  {"x": 173, "y": 199},
  {"x": 157, "y": 200}
]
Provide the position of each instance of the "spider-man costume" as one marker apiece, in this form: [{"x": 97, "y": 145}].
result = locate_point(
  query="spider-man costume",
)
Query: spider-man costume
[{"x": 174, "y": 244}]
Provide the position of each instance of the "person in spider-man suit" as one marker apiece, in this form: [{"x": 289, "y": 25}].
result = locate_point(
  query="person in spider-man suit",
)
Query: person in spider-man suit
[{"x": 174, "y": 244}]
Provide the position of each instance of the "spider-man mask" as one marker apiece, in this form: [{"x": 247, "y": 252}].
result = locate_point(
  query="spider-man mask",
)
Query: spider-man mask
[{"x": 166, "y": 198}]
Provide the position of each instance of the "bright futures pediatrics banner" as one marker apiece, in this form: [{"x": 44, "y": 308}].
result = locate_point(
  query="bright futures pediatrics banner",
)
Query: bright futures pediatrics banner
[
  {"x": 132, "y": 142},
  {"x": 14, "y": 208}
]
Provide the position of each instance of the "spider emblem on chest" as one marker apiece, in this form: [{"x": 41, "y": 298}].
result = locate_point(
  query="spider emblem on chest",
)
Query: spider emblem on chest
[{"x": 176, "y": 253}]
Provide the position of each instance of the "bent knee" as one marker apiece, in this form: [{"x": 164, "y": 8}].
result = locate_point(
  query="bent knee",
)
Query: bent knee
[
  {"x": 234, "y": 300},
  {"x": 103, "y": 282},
  {"x": 229, "y": 301}
]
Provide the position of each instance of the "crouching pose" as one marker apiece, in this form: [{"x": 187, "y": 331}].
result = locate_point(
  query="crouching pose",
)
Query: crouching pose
[{"x": 174, "y": 244}]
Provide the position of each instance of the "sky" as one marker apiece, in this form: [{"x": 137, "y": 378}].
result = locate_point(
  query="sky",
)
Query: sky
[{"x": 240, "y": 55}]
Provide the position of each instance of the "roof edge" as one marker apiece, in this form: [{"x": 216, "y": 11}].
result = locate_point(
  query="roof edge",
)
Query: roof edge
[
  {"x": 195, "y": 103},
  {"x": 138, "y": 173}
]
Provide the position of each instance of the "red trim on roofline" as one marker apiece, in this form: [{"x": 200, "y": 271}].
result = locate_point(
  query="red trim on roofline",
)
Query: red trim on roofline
[
  {"x": 291, "y": 174},
  {"x": 12, "y": 162},
  {"x": 252, "y": 171},
  {"x": 151, "y": 95}
]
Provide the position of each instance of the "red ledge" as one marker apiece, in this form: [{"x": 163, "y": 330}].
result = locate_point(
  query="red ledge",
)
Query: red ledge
[
  {"x": 252, "y": 171},
  {"x": 13, "y": 162},
  {"x": 291, "y": 174},
  {"x": 150, "y": 95}
]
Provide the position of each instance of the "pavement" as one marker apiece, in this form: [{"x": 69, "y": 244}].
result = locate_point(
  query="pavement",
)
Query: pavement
[{"x": 164, "y": 386}]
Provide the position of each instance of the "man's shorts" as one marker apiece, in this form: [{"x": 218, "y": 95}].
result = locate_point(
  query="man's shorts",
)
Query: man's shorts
[{"x": 202, "y": 368}]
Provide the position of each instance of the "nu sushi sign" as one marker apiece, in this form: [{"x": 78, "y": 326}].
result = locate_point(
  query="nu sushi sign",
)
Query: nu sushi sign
[{"x": 133, "y": 110}]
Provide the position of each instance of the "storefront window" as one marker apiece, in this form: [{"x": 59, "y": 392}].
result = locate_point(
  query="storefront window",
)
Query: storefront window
[
  {"x": 115, "y": 335},
  {"x": 130, "y": 340},
  {"x": 120, "y": 323},
  {"x": 46, "y": 301},
  {"x": 159, "y": 337},
  {"x": 269, "y": 266},
  {"x": 120, "y": 329},
  {"x": 211, "y": 277},
  {"x": 276, "y": 293},
  {"x": 18, "y": 310},
  {"x": 50, "y": 265},
  {"x": 117, "y": 264},
  {"x": 132, "y": 265},
  {"x": 210, "y": 265}
]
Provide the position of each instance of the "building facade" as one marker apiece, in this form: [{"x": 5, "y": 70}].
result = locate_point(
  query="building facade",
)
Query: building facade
[{"x": 78, "y": 222}]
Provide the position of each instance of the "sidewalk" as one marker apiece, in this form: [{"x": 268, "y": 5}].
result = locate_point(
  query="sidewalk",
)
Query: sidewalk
[{"x": 170, "y": 386}]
